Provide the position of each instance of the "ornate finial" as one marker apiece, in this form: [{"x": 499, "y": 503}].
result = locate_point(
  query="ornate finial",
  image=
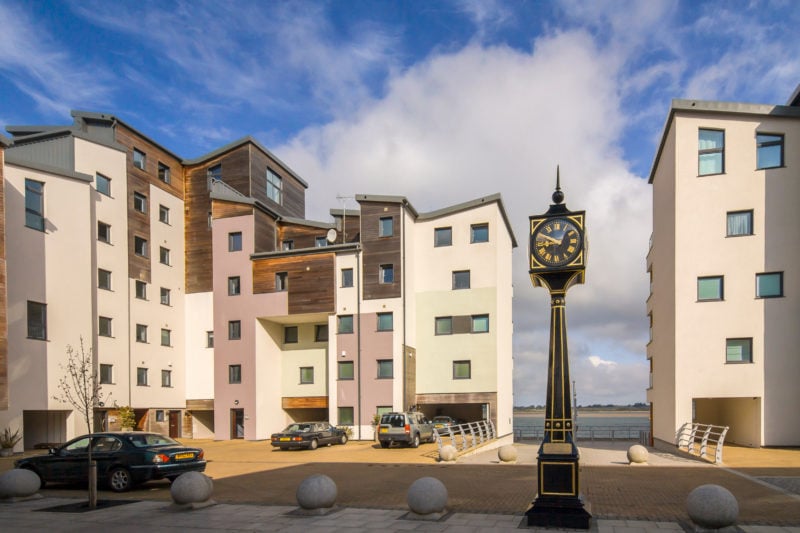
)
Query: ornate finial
[{"x": 558, "y": 196}]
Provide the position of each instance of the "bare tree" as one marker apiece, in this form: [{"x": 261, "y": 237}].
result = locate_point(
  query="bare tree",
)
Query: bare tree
[{"x": 80, "y": 387}]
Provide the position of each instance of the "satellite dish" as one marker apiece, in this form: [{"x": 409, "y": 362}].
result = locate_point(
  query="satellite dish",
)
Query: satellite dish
[{"x": 331, "y": 236}]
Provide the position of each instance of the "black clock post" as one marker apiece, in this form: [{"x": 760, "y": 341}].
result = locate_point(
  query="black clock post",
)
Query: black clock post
[{"x": 557, "y": 262}]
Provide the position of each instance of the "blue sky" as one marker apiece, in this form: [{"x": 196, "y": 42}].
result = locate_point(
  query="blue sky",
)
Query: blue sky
[{"x": 441, "y": 102}]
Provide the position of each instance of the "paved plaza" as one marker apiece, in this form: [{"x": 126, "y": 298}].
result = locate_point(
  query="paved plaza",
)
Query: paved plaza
[{"x": 255, "y": 487}]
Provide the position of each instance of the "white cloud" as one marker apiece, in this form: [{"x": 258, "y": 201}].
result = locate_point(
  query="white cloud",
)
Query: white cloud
[{"x": 596, "y": 361}]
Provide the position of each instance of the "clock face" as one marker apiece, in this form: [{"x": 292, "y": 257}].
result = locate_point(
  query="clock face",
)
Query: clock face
[{"x": 556, "y": 242}]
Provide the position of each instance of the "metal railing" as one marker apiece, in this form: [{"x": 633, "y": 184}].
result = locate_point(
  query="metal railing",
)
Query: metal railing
[
  {"x": 464, "y": 437},
  {"x": 697, "y": 438},
  {"x": 589, "y": 433}
]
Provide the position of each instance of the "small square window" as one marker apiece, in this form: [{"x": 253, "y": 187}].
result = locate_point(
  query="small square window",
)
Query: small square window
[
  {"x": 385, "y": 321},
  {"x": 385, "y": 369},
  {"x": 320, "y": 242},
  {"x": 444, "y": 325},
  {"x": 287, "y": 245},
  {"x": 739, "y": 223},
  {"x": 462, "y": 370},
  {"x": 321, "y": 333},
  {"x": 163, "y": 172},
  {"x": 290, "y": 334},
  {"x": 442, "y": 237},
  {"x": 769, "y": 285},
  {"x": 139, "y": 159},
  {"x": 234, "y": 286},
  {"x": 163, "y": 255},
  {"x": 346, "y": 369},
  {"x": 738, "y": 350},
  {"x": 166, "y": 337},
  {"x": 234, "y": 374},
  {"x": 104, "y": 326},
  {"x": 140, "y": 202},
  {"x": 234, "y": 329},
  {"x": 306, "y": 375},
  {"x": 163, "y": 214},
  {"x": 37, "y": 320},
  {"x": 141, "y": 333},
  {"x": 235, "y": 241},
  {"x": 102, "y": 184},
  {"x": 386, "y": 227},
  {"x": 141, "y": 377},
  {"x": 106, "y": 374},
  {"x": 209, "y": 339},
  {"x": 141, "y": 290},
  {"x": 769, "y": 150},
  {"x": 710, "y": 288},
  {"x": 345, "y": 324},
  {"x": 166, "y": 296},
  {"x": 104, "y": 232},
  {"x": 460, "y": 279},
  {"x": 711, "y": 152},
  {"x": 103, "y": 279},
  {"x": 480, "y": 324},
  {"x": 479, "y": 233},
  {"x": 386, "y": 274},
  {"x": 140, "y": 246},
  {"x": 281, "y": 281},
  {"x": 347, "y": 277},
  {"x": 166, "y": 378},
  {"x": 345, "y": 416}
]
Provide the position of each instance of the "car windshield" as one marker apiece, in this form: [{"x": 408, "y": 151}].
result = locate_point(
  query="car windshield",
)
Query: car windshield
[
  {"x": 441, "y": 419},
  {"x": 394, "y": 420},
  {"x": 300, "y": 428},
  {"x": 150, "y": 439}
]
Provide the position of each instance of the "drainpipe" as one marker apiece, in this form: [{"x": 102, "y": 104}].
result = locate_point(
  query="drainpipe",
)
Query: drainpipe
[
  {"x": 358, "y": 336},
  {"x": 403, "y": 275}
]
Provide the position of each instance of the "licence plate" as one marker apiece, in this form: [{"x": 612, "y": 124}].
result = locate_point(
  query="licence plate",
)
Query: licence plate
[
  {"x": 188, "y": 455},
  {"x": 285, "y": 439},
  {"x": 384, "y": 430}
]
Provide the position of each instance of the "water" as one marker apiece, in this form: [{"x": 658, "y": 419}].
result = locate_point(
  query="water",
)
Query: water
[{"x": 589, "y": 426}]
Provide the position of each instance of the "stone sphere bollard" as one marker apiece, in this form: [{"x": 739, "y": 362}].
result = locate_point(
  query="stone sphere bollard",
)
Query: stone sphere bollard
[
  {"x": 427, "y": 497},
  {"x": 712, "y": 507},
  {"x": 316, "y": 492},
  {"x": 507, "y": 453},
  {"x": 637, "y": 454},
  {"x": 448, "y": 453},
  {"x": 19, "y": 483},
  {"x": 191, "y": 488}
]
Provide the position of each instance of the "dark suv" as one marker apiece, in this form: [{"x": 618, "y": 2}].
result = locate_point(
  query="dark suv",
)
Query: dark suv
[{"x": 408, "y": 428}]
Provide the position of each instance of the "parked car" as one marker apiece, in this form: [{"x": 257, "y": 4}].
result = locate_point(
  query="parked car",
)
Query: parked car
[
  {"x": 308, "y": 435},
  {"x": 444, "y": 422},
  {"x": 124, "y": 459},
  {"x": 406, "y": 428}
]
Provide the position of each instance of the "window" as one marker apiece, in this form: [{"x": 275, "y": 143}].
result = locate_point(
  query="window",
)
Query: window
[
  {"x": 385, "y": 322},
  {"x": 306, "y": 375},
  {"x": 234, "y": 286},
  {"x": 234, "y": 329},
  {"x": 140, "y": 202},
  {"x": 710, "y": 288},
  {"x": 37, "y": 320},
  {"x": 385, "y": 369},
  {"x": 321, "y": 333},
  {"x": 159, "y": 415},
  {"x": 386, "y": 227},
  {"x": 769, "y": 150},
  {"x": 738, "y": 350},
  {"x": 345, "y": 324},
  {"x": 234, "y": 374},
  {"x": 166, "y": 380},
  {"x": 163, "y": 214},
  {"x": 462, "y": 369},
  {"x": 139, "y": 159},
  {"x": 163, "y": 255},
  {"x": 166, "y": 337},
  {"x": 769, "y": 285},
  {"x": 442, "y": 237},
  {"x": 274, "y": 187},
  {"x": 345, "y": 416},
  {"x": 141, "y": 333},
  {"x": 166, "y": 296},
  {"x": 320, "y": 242},
  {"x": 209, "y": 339},
  {"x": 235, "y": 241},
  {"x": 141, "y": 290},
  {"x": 103, "y": 279},
  {"x": 104, "y": 232},
  {"x": 281, "y": 281},
  {"x": 345, "y": 370},
  {"x": 34, "y": 204},
  {"x": 479, "y": 233},
  {"x": 444, "y": 325},
  {"x": 104, "y": 326},
  {"x": 290, "y": 334},
  {"x": 711, "y": 152},
  {"x": 103, "y": 184},
  {"x": 480, "y": 323},
  {"x": 287, "y": 245},
  {"x": 163, "y": 172},
  {"x": 347, "y": 277},
  {"x": 106, "y": 374},
  {"x": 140, "y": 246},
  {"x": 141, "y": 377},
  {"x": 386, "y": 274},
  {"x": 461, "y": 279},
  {"x": 214, "y": 174},
  {"x": 740, "y": 223}
]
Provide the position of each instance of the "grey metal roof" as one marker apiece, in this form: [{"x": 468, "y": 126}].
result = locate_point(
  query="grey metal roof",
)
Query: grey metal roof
[
  {"x": 308, "y": 251},
  {"x": 12, "y": 159},
  {"x": 309, "y": 223},
  {"x": 345, "y": 212},
  {"x": 5, "y": 141},
  {"x": 107, "y": 117},
  {"x": 387, "y": 199}
]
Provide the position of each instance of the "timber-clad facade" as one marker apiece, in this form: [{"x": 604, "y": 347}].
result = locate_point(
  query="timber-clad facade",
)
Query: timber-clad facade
[{"x": 216, "y": 309}]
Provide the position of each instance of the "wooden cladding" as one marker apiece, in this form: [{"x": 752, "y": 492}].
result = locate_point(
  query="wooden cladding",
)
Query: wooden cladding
[
  {"x": 310, "y": 280},
  {"x": 265, "y": 230},
  {"x": 293, "y": 193},
  {"x": 302, "y": 236},
  {"x": 381, "y": 250},
  {"x": 304, "y": 402},
  {"x": 197, "y": 232},
  {"x": 220, "y": 209},
  {"x": 200, "y": 405}
]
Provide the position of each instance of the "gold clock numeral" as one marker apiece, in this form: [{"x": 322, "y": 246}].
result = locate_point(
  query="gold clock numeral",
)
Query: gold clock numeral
[
  {"x": 570, "y": 249},
  {"x": 548, "y": 257},
  {"x": 556, "y": 258},
  {"x": 557, "y": 225}
]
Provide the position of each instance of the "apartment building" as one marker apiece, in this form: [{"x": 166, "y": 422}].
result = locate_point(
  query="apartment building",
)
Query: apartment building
[
  {"x": 723, "y": 267},
  {"x": 214, "y": 308}
]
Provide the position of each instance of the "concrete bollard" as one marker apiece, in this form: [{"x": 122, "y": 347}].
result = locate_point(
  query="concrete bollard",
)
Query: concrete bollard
[
  {"x": 637, "y": 454},
  {"x": 427, "y": 498},
  {"x": 19, "y": 483},
  {"x": 448, "y": 453},
  {"x": 712, "y": 507},
  {"x": 507, "y": 453},
  {"x": 317, "y": 493},
  {"x": 192, "y": 490}
]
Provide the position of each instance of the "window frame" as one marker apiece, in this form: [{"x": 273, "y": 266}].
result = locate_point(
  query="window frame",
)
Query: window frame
[
  {"x": 234, "y": 285},
  {"x": 139, "y": 159},
  {"x": 141, "y": 333},
  {"x": 474, "y": 236},
  {"x": 34, "y": 215},
  {"x": 349, "y": 420},
  {"x": 456, "y": 275},
  {"x": 165, "y": 296},
  {"x": 765, "y": 145},
  {"x": 210, "y": 339},
  {"x": 105, "y": 189},
  {"x": 291, "y": 335},
  {"x": 318, "y": 329},
  {"x": 36, "y": 325},
  {"x": 140, "y": 295},
  {"x": 164, "y": 173},
  {"x": 281, "y": 281},
  {"x": 710, "y": 151},
  {"x": 274, "y": 187},
  {"x": 106, "y": 374},
  {"x": 287, "y": 245},
  {"x": 462, "y": 362},
  {"x": 166, "y": 337},
  {"x": 140, "y": 202},
  {"x": 235, "y": 374},
  {"x": 721, "y": 290},
  {"x": 475, "y": 318},
  {"x": 382, "y": 228},
  {"x": 105, "y": 326},
  {"x": 142, "y": 377},
  {"x": 747, "y": 341},
  {"x": 342, "y": 320},
  {"x": 320, "y": 242},
  {"x": 761, "y": 275},
  {"x": 140, "y": 246},
  {"x": 345, "y": 364},
  {"x": 380, "y": 319},
  {"x": 386, "y": 271},
  {"x": 381, "y": 363},
  {"x": 103, "y": 274},
  {"x": 234, "y": 330},
  {"x": 728, "y": 222},
  {"x": 164, "y": 256},
  {"x": 346, "y": 278},
  {"x": 235, "y": 241},
  {"x": 306, "y": 375},
  {"x": 163, "y": 214},
  {"x": 442, "y": 320},
  {"x": 442, "y": 242},
  {"x": 103, "y": 232},
  {"x": 166, "y": 383}
]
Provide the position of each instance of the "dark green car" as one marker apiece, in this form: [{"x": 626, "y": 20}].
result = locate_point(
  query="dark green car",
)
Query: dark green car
[{"x": 124, "y": 459}]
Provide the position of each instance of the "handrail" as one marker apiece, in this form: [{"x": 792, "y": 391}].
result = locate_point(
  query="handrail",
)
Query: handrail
[
  {"x": 590, "y": 433},
  {"x": 464, "y": 437},
  {"x": 692, "y": 433}
]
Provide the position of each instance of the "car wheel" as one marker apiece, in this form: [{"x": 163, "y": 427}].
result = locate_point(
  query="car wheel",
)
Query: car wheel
[
  {"x": 384, "y": 444},
  {"x": 415, "y": 442},
  {"x": 119, "y": 480},
  {"x": 343, "y": 439},
  {"x": 314, "y": 444}
]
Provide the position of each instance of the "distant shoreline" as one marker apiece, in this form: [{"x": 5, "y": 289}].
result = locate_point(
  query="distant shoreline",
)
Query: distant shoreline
[{"x": 586, "y": 412}]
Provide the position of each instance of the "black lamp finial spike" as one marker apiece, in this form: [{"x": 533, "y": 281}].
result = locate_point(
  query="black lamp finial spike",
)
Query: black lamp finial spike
[{"x": 558, "y": 196}]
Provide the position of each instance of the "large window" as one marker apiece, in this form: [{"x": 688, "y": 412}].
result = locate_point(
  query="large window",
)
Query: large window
[
  {"x": 141, "y": 333},
  {"x": 739, "y": 223},
  {"x": 166, "y": 337},
  {"x": 235, "y": 241},
  {"x": 480, "y": 323},
  {"x": 345, "y": 416},
  {"x": 234, "y": 286},
  {"x": 163, "y": 172},
  {"x": 386, "y": 274},
  {"x": 234, "y": 329},
  {"x": 166, "y": 378},
  {"x": 385, "y": 369},
  {"x": 290, "y": 335},
  {"x": 460, "y": 279},
  {"x": 386, "y": 227},
  {"x": 385, "y": 321},
  {"x": 141, "y": 290},
  {"x": 37, "y": 320},
  {"x": 141, "y": 377},
  {"x": 347, "y": 277},
  {"x": 321, "y": 333},
  {"x": 103, "y": 279},
  {"x": 306, "y": 375},
  {"x": 442, "y": 237},
  {"x": 345, "y": 324},
  {"x": 479, "y": 233},
  {"x": 104, "y": 232},
  {"x": 140, "y": 246},
  {"x": 103, "y": 184},
  {"x": 444, "y": 325},
  {"x": 769, "y": 150},
  {"x": 139, "y": 159},
  {"x": 274, "y": 187},
  {"x": 140, "y": 202},
  {"x": 462, "y": 370},
  {"x": 769, "y": 285},
  {"x": 710, "y": 288},
  {"x": 104, "y": 326},
  {"x": 106, "y": 374},
  {"x": 34, "y": 204},
  {"x": 345, "y": 370},
  {"x": 739, "y": 350},
  {"x": 711, "y": 152},
  {"x": 234, "y": 374},
  {"x": 281, "y": 281}
]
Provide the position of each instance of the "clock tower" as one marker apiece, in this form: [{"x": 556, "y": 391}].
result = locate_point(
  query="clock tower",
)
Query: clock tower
[{"x": 557, "y": 257}]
